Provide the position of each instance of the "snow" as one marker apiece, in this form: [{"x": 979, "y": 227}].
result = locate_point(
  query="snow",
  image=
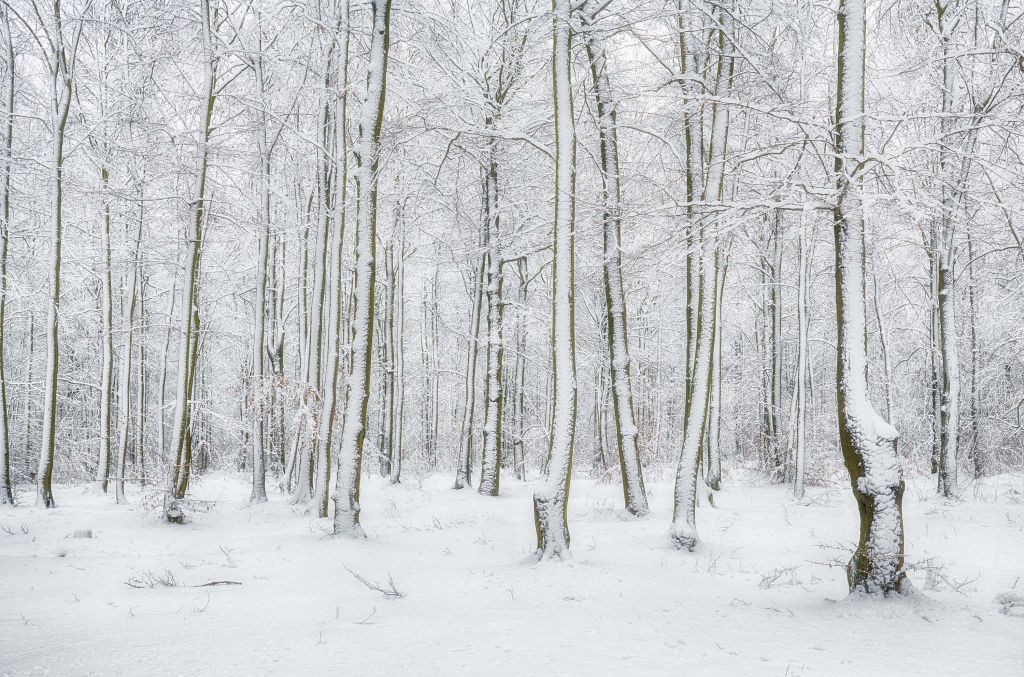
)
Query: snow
[{"x": 756, "y": 597}]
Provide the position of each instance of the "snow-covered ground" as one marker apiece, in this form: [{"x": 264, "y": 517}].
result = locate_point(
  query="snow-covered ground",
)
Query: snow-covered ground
[{"x": 758, "y": 598}]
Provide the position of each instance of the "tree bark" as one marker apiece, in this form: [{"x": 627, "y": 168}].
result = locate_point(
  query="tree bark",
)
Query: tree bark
[
  {"x": 626, "y": 433},
  {"x": 550, "y": 500},
  {"x": 367, "y": 153},
  {"x": 868, "y": 442}
]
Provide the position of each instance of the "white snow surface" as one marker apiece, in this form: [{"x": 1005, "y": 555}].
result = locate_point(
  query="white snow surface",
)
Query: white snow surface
[{"x": 756, "y": 598}]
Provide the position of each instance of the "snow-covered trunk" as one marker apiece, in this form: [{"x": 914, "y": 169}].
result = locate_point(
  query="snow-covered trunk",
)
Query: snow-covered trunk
[
  {"x": 973, "y": 410},
  {"x": 397, "y": 446},
  {"x": 124, "y": 378},
  {"x": 626, "y": 433},
  {"x": 519, "y": 375},
  {"x": 428, "y": 347},
  {"x": 7, "y": 123},
  {"x": 550, "y": 500},
  {"x": 258, "y": 464},
  {"x": 776, "y": 456},
  {"x": 935, "y": 353},
  {"x": 683, "y": 531},
  {"x": 945, "y": 275},
  {"x": 275, "y": 351},
  {"x": 106, "y": 335},
  {"x": 180, "y": 443},
  {"x": 386, "y": 344},
  {"x": 61, "y": 79},
  {"x": 142, "y": 386},
  {"x": 949, "y": 347},
  {"x": 259, "y": 344},
  {"x": 162, "y": 389},
  {"x": 320, "y": 329},
  {"x": 883, "y": 344},
  {"x": 799, "y": 470},
  {"x": 491, "y": 456},
  {"x": 693, "y": 124},
  {"x": 464, "y": 463},
  {"x": 321, "y": 483},
  {"x": 868, "y": 442},
  {"x": 367, "y": 155},
  {"x": 713, "y": 471},
  {"x": 191, "y": 431}
]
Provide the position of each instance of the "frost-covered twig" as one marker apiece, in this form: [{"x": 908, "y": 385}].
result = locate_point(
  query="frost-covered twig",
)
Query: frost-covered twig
[{"x": 390, "y": 591}]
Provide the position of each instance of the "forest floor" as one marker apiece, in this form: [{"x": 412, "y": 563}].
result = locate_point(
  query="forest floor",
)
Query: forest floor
[{"x": 761, "y": 596}]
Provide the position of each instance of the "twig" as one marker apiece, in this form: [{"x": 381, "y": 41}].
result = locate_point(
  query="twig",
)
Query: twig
[{"x": 390, "y": 591}]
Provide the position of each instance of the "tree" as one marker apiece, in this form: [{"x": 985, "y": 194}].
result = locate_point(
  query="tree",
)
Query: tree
[
  {"x": 60, "y": 55},
  {"x": 367, "y": 156},
  {"x": 551, "y": 499},
  {"x": 6, "y": 488},
  {"x": 188, "y": 342},
  {"x": 868, "y": 441},
  {"x": 710, "y": 181},
  {"x": 626, "y": 433}
]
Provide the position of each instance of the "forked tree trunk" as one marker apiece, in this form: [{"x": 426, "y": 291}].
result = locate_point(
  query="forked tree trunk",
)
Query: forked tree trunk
[
  {"x": 868, "y": 442},
  {"x": 61, "y": 61},
  {"x": 181, "y": 437}
]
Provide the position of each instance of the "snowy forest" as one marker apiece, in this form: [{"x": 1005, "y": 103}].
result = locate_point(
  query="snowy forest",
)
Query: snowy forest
[{"x": 512, "y": 336}]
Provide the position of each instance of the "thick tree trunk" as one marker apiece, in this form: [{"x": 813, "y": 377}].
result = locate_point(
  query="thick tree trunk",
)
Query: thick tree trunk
[{"x": 868, "y": 442}]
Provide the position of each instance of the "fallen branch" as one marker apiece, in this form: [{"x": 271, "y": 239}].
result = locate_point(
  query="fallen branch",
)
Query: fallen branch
[{"x": 390, "y": 591}]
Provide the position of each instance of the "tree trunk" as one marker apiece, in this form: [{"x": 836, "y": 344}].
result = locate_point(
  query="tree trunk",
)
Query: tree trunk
[
  {"x": 801, "y": 367},
  {"x": 106, "y": 334},
  {"x": 491, "y": 456},
  {"x": 868, "y": 442},
  {"x": 550, "y": 500},
  {"x": 6, "y": 487},
  {"x": 683, "y": 531},
  {"x": 367, "y": 152},
  {"x": 181, "y": 437},
  {"x": 464, "y": 464},
  {"x": 124, "y": 378},
  {"x": 626, "y": 433},
  {"x": 61, "y": 61}
]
